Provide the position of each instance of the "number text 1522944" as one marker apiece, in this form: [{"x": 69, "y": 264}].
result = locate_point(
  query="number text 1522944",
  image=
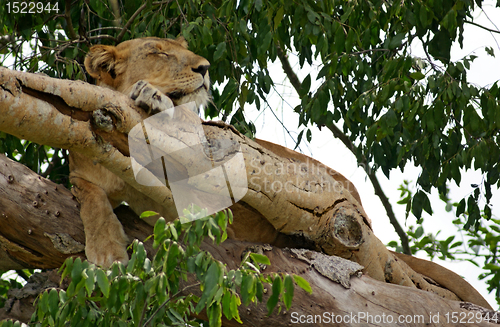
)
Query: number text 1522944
[{"x": 31, "y": 7}]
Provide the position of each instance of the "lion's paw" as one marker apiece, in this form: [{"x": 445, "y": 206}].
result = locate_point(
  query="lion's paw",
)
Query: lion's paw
[
  {"x": 105, "y": 248},
  {"x": 150, "y": 98},
  {"x": 106, "y": 253}
]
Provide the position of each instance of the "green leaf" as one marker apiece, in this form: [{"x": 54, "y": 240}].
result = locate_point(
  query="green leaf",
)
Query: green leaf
[
  {"x": 408, "y": 208},
  {"x": 440, "y": 45},
  {"x": 219, "y": 51},
  {"x": 173, "y": 230},
  {"x": 312, "y": 16},
  {"x": 211, "y": 282},
  {"x": 308, "y": 135},
  {"x": 419, "y": 232},
  {"x": 280, "y": 13},
  {"x": 214, "y": 315},
  {"x": 226, "y": 305},
  {"x": 273, "y": 299},
  {"x": 417, "y": 75},
  {"x": 306, "y": 85},
  {"x": 339, "y": 40},
  {"x": 289, "y": 288},
  {"x": 461, "y": 207},
  {"x": 53, "y": 302},
  {"x": 171, "y": 262},
  {"x": 259, "y": 290},
  {"x": 302, "y": 283},
  {"x": 490, "y": 51},
  {"x": 66, "y": 268},
  {"x": 493, "y": 267},
  {"x": 423, "y": 16},
  {"x": 147, "y": 214},
  {"x": 248, "y": 288},
  {"x": 89, "y": 281},
  {"x": 76, "y": 272},
  {"x": 299, "y": 138},
  {"x": 395, "y": 42},
  {"x": 159, "y": 232},
  {"x": 102, "y": 281},
  {"x": 260, "y": 258},
  {"x": 420, "y": 202},
  {"x": 235, "y": 303},
  {"x": 258, "y": 5}
]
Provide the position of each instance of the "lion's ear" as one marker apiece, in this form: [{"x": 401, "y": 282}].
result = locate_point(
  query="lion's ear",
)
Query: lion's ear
[
  {"x": 100, "y": 61},
  {"x": 182, "y": 41}
]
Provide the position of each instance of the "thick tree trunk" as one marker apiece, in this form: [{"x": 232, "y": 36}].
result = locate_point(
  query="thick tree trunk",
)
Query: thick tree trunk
[{"x": 45, "y": 233}]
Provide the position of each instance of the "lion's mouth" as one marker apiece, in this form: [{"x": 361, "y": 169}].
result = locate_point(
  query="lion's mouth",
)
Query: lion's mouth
[{"x": 178, "y": 94}]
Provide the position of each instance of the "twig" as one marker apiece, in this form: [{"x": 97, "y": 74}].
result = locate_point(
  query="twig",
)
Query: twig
[
  {"x": 105, "y": 28},
  {"x": 281, "y": 122},
  {"x": 433, "y": 65},
  {"x": 166, "y": 302},
  {"x": 483, "y": 27},
  {"x": 366, "y": 51},
  {"x": 182, "y": 13}
]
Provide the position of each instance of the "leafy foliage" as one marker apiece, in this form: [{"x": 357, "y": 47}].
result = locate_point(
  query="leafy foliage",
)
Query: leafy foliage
[{"x": 158, "y": 292}]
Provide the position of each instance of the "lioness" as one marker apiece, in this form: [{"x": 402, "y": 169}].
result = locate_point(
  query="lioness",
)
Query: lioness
[
  {"x": 158, "y": 74},
  {"x": 175, "y": 72}
]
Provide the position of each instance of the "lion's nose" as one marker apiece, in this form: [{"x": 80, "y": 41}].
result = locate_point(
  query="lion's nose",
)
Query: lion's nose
[{"x": 202, "y": 69}]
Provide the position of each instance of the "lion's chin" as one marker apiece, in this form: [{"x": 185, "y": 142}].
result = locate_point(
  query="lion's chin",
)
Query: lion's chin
[{"x": 200, "y": 97}]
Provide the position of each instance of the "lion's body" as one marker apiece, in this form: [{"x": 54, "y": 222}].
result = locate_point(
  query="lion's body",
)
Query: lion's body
[{"x": 181, "y": 75}]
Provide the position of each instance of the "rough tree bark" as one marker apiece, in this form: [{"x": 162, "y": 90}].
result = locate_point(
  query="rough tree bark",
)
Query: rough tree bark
[{"x": 93, "y": 121}]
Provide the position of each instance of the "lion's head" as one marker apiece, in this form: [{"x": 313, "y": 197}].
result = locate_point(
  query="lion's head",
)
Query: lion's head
[{"x": 165, "y": 63}]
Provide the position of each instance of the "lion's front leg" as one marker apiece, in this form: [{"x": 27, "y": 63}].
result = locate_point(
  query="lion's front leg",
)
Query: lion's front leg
[{"x": 105, "y": 239}]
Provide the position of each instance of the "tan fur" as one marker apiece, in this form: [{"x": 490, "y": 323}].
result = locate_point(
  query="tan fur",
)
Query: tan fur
[{"x": 180, "y": 74}]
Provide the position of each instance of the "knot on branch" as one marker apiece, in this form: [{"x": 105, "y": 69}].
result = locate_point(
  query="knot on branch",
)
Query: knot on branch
[
  {"x": 347, "y": 230},
  {"x": 102, "y": 121},
  {"x": 64, "y": 243}
]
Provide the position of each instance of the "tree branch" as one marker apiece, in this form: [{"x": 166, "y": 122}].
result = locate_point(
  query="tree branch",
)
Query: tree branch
[
  {"x": 294, "y": 80},
  {"x": 130, "y": 21},
  {"x": 67, "y": 17},
  {"x": 287, "y": 68}
]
